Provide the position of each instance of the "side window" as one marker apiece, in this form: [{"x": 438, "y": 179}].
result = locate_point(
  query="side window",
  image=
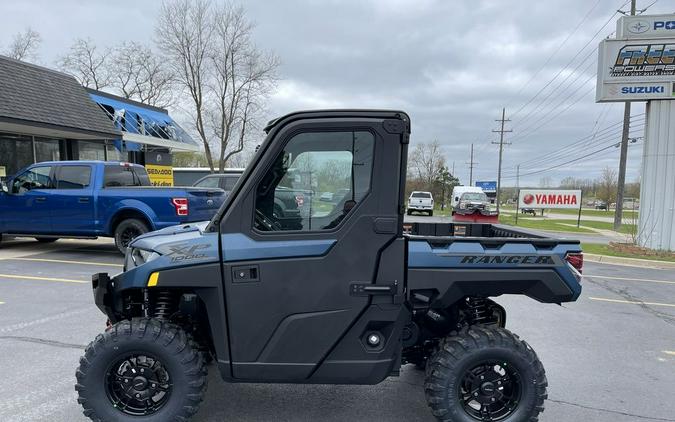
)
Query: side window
[
  {"x": 73, "y": 177},
  {"x": 315, "y": 182},
  {"x": 208, "y": 182},
  {"x": 120, "y": 176},
  {"x": 35, "y": 178}
]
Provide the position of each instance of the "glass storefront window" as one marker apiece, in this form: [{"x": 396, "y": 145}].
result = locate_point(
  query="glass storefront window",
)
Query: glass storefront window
[
  {"x": 113, "y": 153},
  {"x": 16, "y": 152},
  {"x": 47, "y": 150},
  {"x": 91, "y": 150}
]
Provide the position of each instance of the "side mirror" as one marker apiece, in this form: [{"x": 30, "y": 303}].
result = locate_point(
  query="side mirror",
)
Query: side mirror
[
  {"x": 456, "y": 198},
  {"x": 3, "y": 187}
]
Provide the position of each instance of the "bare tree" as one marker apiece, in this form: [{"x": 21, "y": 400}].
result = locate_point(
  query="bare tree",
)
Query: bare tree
[
  {"x": 216, "y": 61},
  {"x": 184, "y": 34},
  {"x": 89, "y": 64},
  {"x": 24, "y": 45},
  {"x": 545, "y": 182},
  {"x": 426, "y": 163},
  {"x": 140, "y": 74},
  {"x": 607, "y": 185}
]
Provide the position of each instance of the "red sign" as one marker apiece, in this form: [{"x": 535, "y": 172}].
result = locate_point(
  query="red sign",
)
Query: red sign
[{"x": 548, "y": 198}]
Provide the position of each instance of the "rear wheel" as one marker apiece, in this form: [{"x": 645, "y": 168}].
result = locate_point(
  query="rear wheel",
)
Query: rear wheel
[
  {"x": 126, "y": 231},
  {"x": 431, "y": 213},
  {"x": 143, "y": 368},
  {"x": 46, "y": 239},
  {"x": 485, "y": 374}
]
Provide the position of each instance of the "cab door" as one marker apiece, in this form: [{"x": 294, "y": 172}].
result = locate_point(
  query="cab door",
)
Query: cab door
[
  {"x": 291, "y": 283},
  {"x": 73, "y": 200},
  {"x": 26, "y": 207}
]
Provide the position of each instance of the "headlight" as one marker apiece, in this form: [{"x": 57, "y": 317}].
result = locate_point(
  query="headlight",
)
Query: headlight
[
  {"x": 141, "y": 256},
  {"x": 462, "y": 205}
]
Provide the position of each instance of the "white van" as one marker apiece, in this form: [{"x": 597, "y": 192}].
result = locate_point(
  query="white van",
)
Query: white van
[{"x": 459, "y": 191}]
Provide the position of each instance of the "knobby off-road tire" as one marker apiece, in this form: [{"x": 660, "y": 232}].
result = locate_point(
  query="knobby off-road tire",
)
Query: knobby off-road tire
[
  {"x": 509, "y": 367},
  {"x": 154, "y": 354}
]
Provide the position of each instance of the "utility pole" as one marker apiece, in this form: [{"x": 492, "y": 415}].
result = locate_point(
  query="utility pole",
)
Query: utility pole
[
  {"x": 518, "y": 177},
  {"x": 471, "y": 165},
  {"x": 501, "y": 142},
  {"x": 621, "y": 182}
]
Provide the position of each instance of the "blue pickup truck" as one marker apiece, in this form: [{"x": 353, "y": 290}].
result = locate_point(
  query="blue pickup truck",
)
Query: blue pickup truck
[
  {"x": 56, "y": 199},
  {"x": 343, "y": 294}
]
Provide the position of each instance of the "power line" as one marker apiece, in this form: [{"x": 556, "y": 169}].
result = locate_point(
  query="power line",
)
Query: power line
[
  {"x": 548, "y": 60},
  {"x": 591, "y": 63},
  {"x": 589, "y": 155},
  {"x": 569, "y": 63}
]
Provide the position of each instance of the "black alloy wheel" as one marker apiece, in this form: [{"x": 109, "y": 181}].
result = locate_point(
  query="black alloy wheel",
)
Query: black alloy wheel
[
  {"x": 126, "y": 231},
  {"x": 490, "y": 391},
  {"x": 138, "y": 384}
]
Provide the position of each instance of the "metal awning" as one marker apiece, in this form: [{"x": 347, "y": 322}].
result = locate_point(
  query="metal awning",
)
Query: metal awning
[{"x": 144, "y": 124}]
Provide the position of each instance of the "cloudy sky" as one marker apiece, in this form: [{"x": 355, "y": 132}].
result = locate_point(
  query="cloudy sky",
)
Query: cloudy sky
[{"x": 452, "y": 65}]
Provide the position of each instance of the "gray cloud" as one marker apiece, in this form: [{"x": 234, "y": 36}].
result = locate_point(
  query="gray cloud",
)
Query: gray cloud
[{"x": 451, "y": 64}]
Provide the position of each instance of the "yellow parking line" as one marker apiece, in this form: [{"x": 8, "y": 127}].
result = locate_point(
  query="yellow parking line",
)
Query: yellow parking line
[
  {"x": 631, "y": 302},
  {"x": 668, "y": 352},
  {"x": 62, "y": 261},
  {"x": 28, "y": 277},
  {"x": 648, "y": 280}
]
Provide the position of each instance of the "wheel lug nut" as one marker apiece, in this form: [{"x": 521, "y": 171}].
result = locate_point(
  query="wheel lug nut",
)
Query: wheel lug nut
[
  {"x": 493, "y": 399},
  {"x": 138, "y": 395},
  {"x": 475, "y": 394},
  {"x": 154, "y": 385},
  {"x": 126, "y": 380},
  {"x": 482, "y": 377}
]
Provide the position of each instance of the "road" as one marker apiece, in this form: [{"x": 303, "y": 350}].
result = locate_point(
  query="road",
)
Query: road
[{"x": 608, "y": 359}]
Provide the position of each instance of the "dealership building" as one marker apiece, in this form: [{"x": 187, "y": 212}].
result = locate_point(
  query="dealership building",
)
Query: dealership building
[{"x": 47, "y": 115}]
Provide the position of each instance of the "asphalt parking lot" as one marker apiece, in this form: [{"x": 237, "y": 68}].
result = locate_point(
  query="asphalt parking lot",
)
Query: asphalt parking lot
[{"x": 609, "y": 357}]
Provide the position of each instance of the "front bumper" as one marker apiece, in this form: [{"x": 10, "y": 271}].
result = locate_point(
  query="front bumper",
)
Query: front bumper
[{"x": 102, "y": 284}]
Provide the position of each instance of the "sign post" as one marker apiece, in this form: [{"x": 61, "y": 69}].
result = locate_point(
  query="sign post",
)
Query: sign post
[
  {"x": 517, "y": 207},
  {"x": 581, "y": 199}
]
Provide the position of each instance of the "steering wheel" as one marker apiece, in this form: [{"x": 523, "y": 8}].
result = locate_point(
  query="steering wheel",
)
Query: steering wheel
[{"x": 262, "y": 222}]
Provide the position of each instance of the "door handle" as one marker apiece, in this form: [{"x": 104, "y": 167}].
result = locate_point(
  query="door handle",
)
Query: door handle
[
  {"x": 83, "y": 200},
  {"x": 40, "y": 199},
  {"x": 245, "y": 274},
  {"x": 367, "y": 289}
]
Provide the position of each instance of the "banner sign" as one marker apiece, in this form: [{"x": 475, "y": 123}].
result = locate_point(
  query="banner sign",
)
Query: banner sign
[
  {"x": 487, "y": 186},
  {"x": 639, "y": 64},
  {"x": 549, "y": 199},
  {"x": 159, "y": 168},
  {"x": 653, "y": 26}
]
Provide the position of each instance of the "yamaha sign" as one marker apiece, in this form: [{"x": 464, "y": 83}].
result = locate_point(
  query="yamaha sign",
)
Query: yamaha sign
[{"x": 638, "y": 65}]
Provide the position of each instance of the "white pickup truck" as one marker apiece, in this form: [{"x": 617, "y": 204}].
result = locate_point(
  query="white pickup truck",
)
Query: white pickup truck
[{"x": 421, "y": 202}]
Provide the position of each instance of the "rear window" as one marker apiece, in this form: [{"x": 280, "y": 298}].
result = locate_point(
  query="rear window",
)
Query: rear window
[
  {"x": 421, "y": 195},
  {"x": 73, "y": 177},
  {"x": 208, "y": 182},
  {"x": 229, "y": 182},
  {"x": 120, "y": 176}
]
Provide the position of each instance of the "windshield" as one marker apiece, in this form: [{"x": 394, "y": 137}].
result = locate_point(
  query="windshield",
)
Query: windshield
[{"x": 474, "y": 196}]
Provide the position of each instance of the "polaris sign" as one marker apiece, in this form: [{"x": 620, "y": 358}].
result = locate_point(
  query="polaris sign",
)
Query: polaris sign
[
  {"x": 654, "y": 26},
  {"x": 487, "y": 186}
]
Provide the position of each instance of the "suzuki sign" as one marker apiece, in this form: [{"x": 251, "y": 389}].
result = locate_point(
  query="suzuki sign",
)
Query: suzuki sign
[{"x": 549, "y": 198}]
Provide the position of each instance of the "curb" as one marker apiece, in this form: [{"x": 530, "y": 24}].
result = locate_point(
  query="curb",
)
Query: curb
[{"x": 631, "y": 262}]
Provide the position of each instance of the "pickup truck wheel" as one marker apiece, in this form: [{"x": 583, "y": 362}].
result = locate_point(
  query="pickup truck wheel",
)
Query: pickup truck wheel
[
  {"x": 485, "y": 374},
  {"x": 126, "y": 231},
  {"x": 143, "y": 369},
  {"x": 431, "y": 213},
  {"x": 46, "y": 239}
]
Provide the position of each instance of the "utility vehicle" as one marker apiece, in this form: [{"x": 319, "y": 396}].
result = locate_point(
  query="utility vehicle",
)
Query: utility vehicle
[{"x": 345, "y": 294}]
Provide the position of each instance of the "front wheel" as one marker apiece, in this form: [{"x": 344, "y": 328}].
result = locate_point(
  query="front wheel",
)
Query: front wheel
[
  {"x": 126, "y": 231},
  {"x": 143, "y": 368},
  {"x": 485, "y": 374}
]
